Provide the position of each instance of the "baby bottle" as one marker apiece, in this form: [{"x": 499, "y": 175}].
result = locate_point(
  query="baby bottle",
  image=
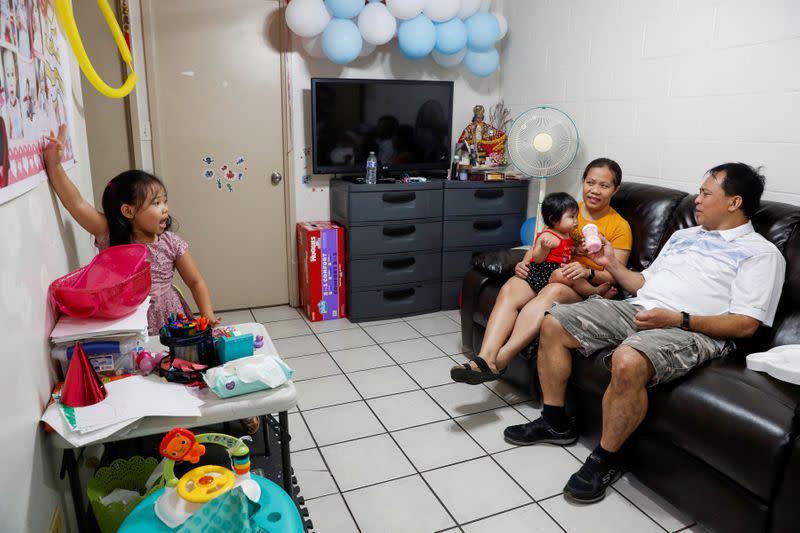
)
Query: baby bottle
[{"x": 591, "y": 238}]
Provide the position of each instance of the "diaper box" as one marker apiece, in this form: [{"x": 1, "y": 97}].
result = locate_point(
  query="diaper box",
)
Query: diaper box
[{"x": 320, "y": 260}]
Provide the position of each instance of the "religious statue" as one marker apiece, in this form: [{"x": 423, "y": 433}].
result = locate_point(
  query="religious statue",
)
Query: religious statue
[{"x": 485, "y": 140}]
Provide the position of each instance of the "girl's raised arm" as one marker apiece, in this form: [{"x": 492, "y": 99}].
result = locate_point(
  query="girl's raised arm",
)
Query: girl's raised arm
[{"x": 82, "y": 211}]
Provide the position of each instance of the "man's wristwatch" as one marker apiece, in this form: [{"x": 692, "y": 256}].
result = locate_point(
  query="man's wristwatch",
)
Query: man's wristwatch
[
  {"x": 590, "y": 277},
  {"x": 685, "y": 321}
]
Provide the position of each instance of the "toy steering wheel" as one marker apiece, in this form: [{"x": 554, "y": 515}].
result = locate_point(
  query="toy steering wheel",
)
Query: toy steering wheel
[{"x": 207, "y": 482}]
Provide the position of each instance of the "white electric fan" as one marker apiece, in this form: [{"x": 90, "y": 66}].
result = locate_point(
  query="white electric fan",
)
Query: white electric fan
[{"x": 542, "y": 142}]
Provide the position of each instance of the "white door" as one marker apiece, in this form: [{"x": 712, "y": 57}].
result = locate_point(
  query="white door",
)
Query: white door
[{"x": 214, "y": 84}]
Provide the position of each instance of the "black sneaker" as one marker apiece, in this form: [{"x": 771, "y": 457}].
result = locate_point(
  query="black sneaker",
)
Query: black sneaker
[
  {"x": 588, "y": 485},
  {"x": 539, "y": 431}
]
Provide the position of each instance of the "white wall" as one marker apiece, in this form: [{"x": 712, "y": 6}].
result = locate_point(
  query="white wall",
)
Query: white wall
[
  {"x": 311, "y": 200},
  {"x": 107, "y": 124},
  {"x": 40, "y": 242},
  {"x": 668, "y": 88}
]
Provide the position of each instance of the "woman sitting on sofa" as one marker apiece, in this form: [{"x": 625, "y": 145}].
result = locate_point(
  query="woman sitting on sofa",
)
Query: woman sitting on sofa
[{"x": 518, "y": 312}]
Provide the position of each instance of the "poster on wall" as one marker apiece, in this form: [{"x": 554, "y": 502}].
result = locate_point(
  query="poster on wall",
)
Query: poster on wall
[{"x": 35, "y": 93}]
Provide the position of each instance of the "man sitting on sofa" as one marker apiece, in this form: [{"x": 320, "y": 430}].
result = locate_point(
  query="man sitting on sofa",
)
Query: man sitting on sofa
[{"x": 717, "y": 281}]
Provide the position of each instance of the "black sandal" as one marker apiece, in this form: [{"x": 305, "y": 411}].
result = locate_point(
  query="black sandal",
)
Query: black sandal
[
  {"x": 459, "y": 373},
  {"x": 465, "y": 374}
]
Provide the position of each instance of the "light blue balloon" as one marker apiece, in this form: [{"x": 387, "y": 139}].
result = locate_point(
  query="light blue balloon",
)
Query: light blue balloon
[
  {"x": 341, "y": 41},
  {"x": 483, "y": 30},
  {"x": 482, "y": 64},
  {"x": 416, "y": 37},
  {"x": 344, "y": 9},
  {"x": 451, "y": 36},
  {"x": 527, "y": 230}
]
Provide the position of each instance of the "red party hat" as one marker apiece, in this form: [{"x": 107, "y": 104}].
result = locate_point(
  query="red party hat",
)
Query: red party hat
[{"x": 82, "y": 386}]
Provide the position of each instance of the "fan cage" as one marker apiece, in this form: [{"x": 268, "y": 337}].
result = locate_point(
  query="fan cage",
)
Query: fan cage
[{"x": 549, "y": 120}]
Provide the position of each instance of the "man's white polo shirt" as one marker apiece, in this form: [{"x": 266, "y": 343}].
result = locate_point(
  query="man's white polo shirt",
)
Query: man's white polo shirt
[{"x": 710, "y": 273}]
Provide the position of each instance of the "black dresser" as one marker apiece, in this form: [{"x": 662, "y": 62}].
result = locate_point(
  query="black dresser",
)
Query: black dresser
[
  {"x": 478, "y": 216},
  {"x": 408, "y": 246}
]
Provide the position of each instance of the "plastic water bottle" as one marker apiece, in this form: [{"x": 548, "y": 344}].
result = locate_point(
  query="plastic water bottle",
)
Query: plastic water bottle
[
  {"x": 372, "y": 169},
  {"x": 454, "y": 168}
]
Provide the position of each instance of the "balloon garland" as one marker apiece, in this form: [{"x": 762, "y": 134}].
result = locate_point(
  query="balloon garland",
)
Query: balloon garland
[{"x": 450, "y": 31}]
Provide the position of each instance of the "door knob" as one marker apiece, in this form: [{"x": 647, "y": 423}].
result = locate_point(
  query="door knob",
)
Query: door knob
[{"x": 276, "y": 178}]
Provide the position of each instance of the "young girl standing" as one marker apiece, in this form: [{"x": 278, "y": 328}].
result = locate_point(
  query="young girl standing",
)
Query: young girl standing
[{"x": 135, "y": 211}]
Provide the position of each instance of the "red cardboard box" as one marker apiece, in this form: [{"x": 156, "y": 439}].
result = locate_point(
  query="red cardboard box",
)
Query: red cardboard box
[{"x": 320, "y": 261}]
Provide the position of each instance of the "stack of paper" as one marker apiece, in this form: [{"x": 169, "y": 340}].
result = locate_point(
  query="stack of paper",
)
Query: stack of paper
[
  {"x": 70, "y": 329},
  {"x": 128, "y": 400}
]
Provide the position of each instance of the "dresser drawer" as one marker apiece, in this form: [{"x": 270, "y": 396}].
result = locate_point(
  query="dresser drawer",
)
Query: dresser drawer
[
  {"x": 363, "y": 204},
  {"x": 393, "y": 238},
  {"x": 482, "y": 231},
  {"x": 380, "y": 206},
  {"x": 394, "y": 269},
  {"x": 485, "y": 201},
  {"x": 397, "y": 300}
]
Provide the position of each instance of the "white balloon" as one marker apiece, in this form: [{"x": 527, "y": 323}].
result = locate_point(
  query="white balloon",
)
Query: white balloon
[
  {"x": 307, "y": 18},
  {"x": 485, "y": 5},
  {"x": 313, "y": 46},
  {"x": 367, "y": 49},
  {"x": 376, "y": 24},
  {"x": 441, "y": 10},
  {"x": 448, "y": 60},
  {"x": 501, "y": 20},
  {"x": 405, "y": 9},
  {"x": 468, "y": 8}
]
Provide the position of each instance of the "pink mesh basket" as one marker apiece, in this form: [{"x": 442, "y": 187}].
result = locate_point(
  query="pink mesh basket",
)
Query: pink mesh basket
[{"x": 112, "y": 285}]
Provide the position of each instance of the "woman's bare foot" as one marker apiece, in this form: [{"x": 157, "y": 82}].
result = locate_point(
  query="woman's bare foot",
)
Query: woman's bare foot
[{"x": 607, "y": 290}]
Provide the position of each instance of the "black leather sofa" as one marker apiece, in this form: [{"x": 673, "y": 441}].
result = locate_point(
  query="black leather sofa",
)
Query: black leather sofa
[{"x": 722, "y": 443}]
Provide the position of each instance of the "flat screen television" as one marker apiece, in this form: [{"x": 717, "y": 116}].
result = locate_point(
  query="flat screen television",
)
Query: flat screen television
[{"x": 406, "y": 123}]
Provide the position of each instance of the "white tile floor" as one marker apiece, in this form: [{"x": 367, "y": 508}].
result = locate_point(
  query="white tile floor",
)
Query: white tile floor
[{"x": 383, "y": 440}]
